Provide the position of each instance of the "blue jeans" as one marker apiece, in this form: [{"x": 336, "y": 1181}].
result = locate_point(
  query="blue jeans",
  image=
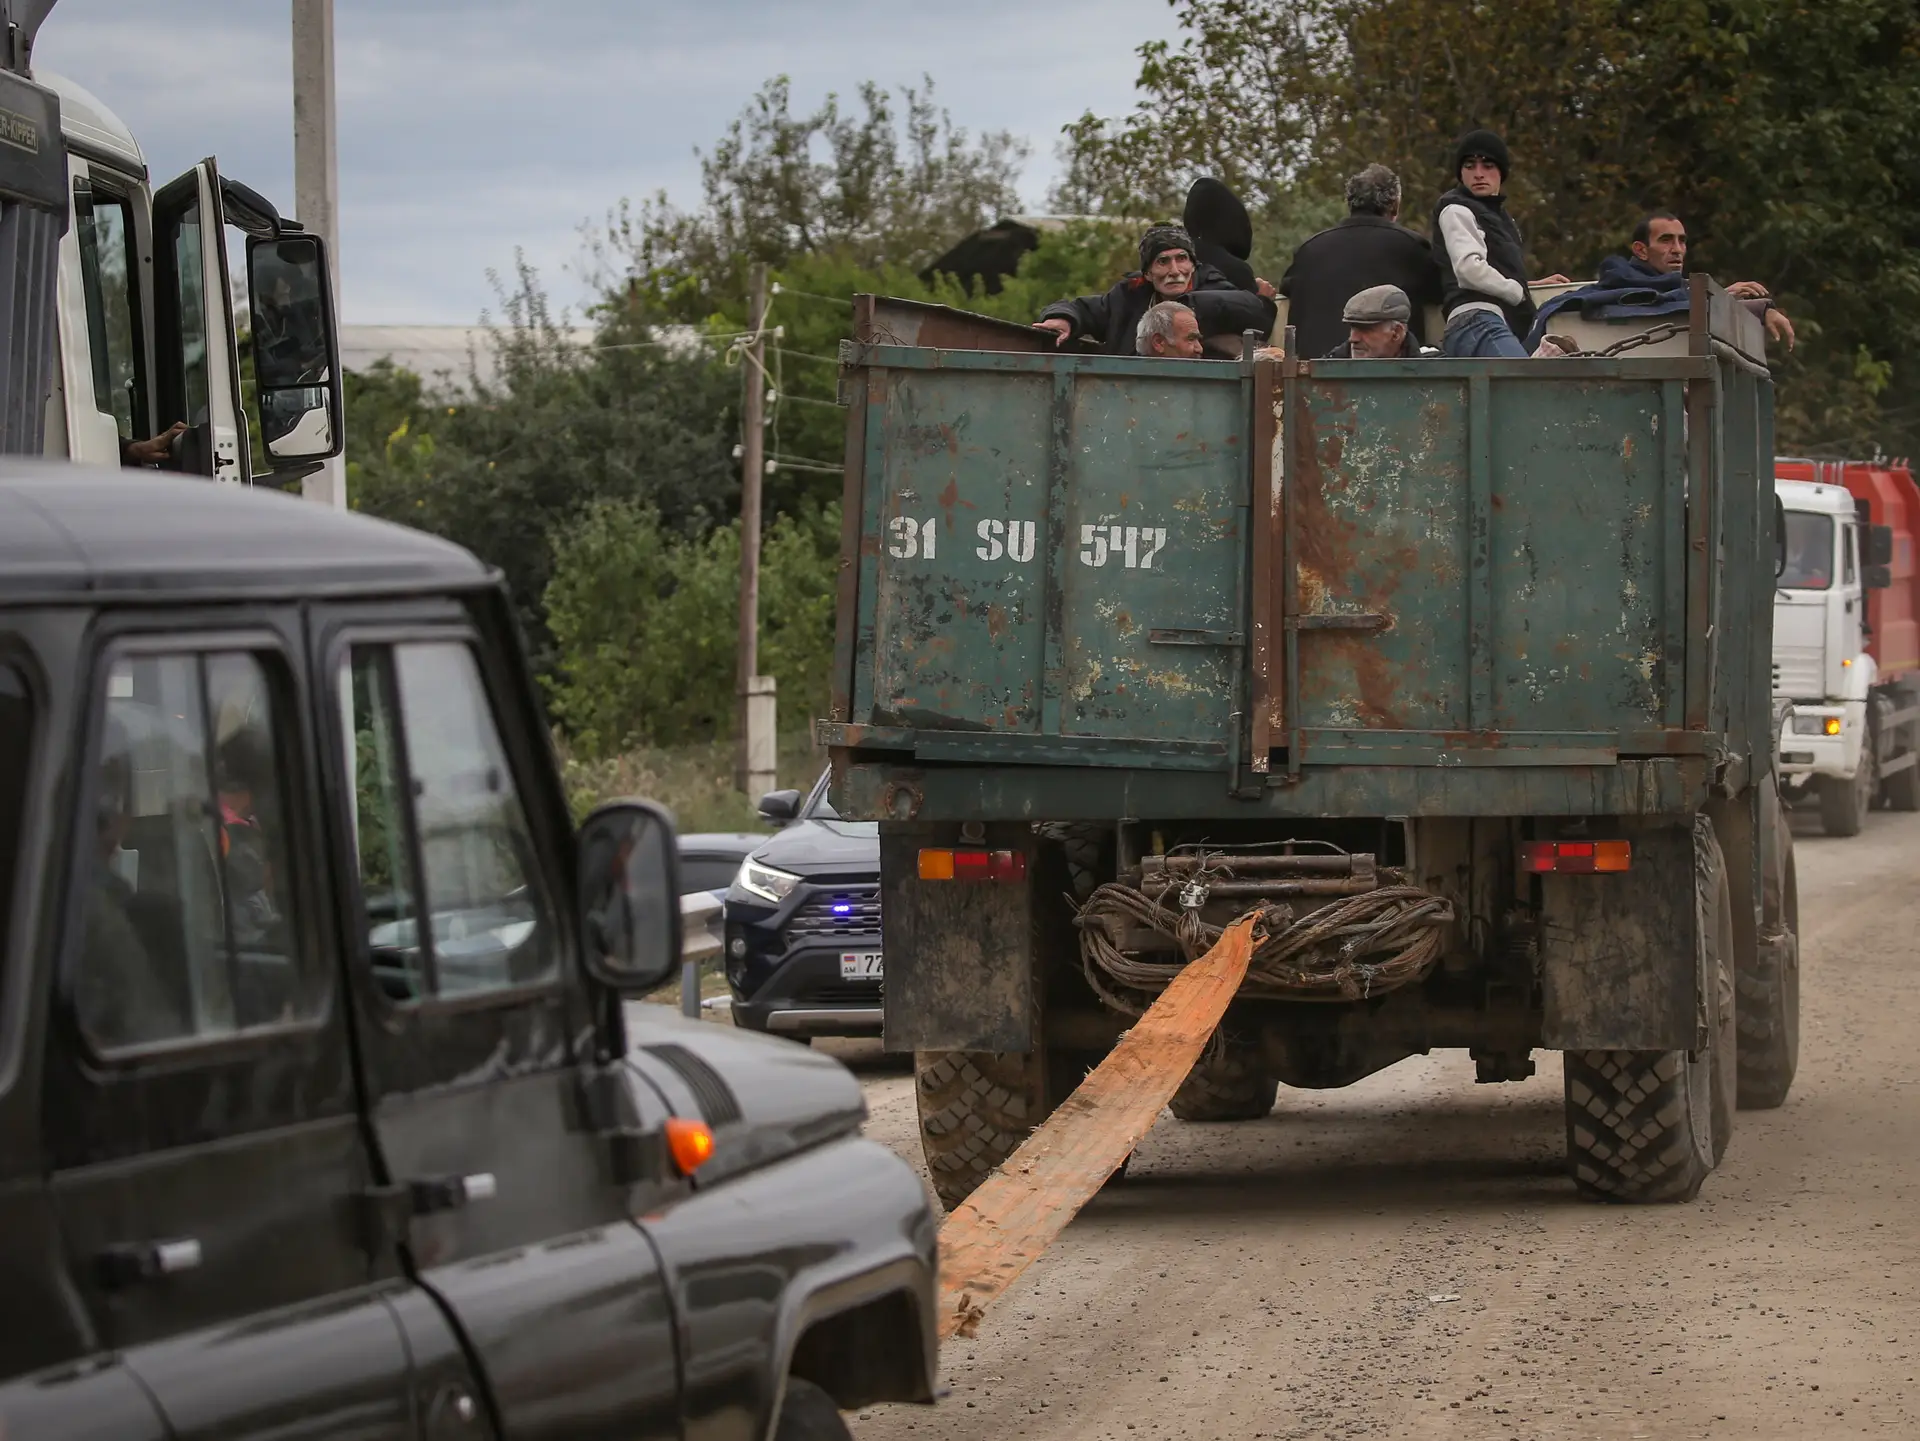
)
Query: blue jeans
[{"x": 1481, "y": 335}]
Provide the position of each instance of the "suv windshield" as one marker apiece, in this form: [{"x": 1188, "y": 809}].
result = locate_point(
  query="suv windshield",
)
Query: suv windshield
[{"x": 1809, "y": 552}]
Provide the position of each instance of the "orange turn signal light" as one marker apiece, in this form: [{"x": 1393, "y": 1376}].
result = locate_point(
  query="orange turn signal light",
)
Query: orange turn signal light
[
  {"x": 1576, "y": 857},
  {"x": 690, "y": 1143},
  {"x": 973, "y": 865},
  {"x": 1832, "y": 726}
]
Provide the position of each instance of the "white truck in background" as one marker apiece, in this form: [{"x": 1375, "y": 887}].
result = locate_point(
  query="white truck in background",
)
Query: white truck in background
[
  {"x": 1846, "y": 646},
  {"x": 143, "y": 329}
]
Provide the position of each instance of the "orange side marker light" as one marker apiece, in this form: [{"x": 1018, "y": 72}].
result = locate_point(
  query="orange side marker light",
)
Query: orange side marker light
[{"x": 690, "y": 1143}]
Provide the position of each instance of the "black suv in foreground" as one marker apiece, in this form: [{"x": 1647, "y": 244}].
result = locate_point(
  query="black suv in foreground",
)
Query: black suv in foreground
[
  {"x": 319, "y": 1112},
  {"x": 803, "y": 923}
]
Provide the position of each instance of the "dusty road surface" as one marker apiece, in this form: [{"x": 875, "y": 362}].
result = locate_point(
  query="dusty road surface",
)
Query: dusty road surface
[{"x": 1405, "y": 1258}]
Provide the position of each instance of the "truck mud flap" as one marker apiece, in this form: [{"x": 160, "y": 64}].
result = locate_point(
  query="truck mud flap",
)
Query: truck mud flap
[{"x": 959, "y": 955}]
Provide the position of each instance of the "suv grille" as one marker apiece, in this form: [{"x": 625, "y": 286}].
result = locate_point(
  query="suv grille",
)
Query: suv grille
[{"x": 853, "y": 912}]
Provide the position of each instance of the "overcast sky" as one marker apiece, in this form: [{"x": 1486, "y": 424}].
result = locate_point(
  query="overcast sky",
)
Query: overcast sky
[{"x": 470, "y": 127}]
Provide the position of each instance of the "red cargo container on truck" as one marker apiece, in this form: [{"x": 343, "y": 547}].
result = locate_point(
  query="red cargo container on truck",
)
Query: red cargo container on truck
[{"x": 1847, "y": 637}]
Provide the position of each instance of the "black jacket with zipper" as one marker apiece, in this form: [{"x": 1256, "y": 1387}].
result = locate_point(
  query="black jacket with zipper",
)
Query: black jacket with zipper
[{"x": 1335, "y": 265}]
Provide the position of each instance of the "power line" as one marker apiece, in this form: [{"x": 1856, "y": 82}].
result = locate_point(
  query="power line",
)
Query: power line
[{"x": 781, "y": 289}]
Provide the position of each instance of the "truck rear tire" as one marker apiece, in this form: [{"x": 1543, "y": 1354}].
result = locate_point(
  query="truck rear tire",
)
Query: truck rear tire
[
  {"x": 1767, "y": 1004},
  {"x": 976, "y": 1107},
  {"x": 1648, "y": 1126},
  {"x": 1844, "y": 803},
  {"x": 1227, "y": 1084},
  {"x": 808, "y": 1413}
]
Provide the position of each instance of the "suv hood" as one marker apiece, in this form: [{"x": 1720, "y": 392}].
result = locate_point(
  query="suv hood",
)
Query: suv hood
[
  {"x": 766, "y": 1098},
  {"x": 824, "y": 847}
]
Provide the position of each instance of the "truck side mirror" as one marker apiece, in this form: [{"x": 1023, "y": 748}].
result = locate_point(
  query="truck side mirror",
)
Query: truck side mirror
[
  {"x": 629, "y": 895},
  {"x": 1877, "y": 577},
  {"x": 296, "y": 352},
  {"x": 1879, "y": 545},
  {"x": 1779, "y": 538}
]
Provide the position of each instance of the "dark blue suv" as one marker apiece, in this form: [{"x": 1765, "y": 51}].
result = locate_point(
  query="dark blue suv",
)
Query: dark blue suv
[{"x": 803, "y": 923}]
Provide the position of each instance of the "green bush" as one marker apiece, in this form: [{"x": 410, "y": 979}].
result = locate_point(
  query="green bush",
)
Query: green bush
[{"x": 647, "y": 620}]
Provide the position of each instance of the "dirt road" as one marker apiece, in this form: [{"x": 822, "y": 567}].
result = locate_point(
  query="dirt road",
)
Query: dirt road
[{"x": 1405, "y": 1258}]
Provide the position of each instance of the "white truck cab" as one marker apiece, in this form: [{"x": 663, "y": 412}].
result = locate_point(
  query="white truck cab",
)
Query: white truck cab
[
  {"x": 1820, "y": 661},
  {"x": 147, "y": 331}
]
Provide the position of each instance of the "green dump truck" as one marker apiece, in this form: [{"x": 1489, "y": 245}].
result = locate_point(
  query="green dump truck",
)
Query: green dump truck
[{"x": 1456, "y": 670}]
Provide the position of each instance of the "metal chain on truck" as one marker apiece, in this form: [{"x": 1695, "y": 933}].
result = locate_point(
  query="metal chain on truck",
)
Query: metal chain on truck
[{"x": 1350, "y": 949}]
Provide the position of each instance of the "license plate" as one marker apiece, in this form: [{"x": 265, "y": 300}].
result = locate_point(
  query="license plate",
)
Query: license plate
[{"x": 860, "y": 966}]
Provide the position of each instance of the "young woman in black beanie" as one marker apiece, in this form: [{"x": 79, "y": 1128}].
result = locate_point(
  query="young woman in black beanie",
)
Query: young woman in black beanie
[{"x": 1483, "y": 269}]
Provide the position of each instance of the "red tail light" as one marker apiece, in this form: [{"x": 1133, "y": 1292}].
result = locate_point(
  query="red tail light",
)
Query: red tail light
[
  {"x": 957, "y": 865},
  {"x": 1576, "y": 857}
]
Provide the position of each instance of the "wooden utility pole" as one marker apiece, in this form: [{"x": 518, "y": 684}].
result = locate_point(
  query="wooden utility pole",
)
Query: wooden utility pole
[{"x": 754, "y": 717}]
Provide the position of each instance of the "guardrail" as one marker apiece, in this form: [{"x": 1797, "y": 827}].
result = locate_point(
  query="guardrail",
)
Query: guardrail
[{"x": 701, "y": 941}]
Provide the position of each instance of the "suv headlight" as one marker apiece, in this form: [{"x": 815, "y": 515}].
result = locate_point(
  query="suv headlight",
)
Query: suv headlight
[{"x": 764, "y": 881}]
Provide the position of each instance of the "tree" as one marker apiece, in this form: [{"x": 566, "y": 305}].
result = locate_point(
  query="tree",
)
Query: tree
[
  {"x": 554, "y": 430},
  {"x": 646, "y": 622},
  {"x": 879, "y": 189}
]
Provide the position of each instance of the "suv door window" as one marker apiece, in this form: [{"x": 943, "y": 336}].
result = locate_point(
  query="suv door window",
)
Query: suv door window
[
  {"x": 460, "y": 854},
  {"x": 107, "y": 271},
  {"x": 208, "y": 1167},
  {"x": 476, "y": 1038},
  {"x": 189, "y": 930}
]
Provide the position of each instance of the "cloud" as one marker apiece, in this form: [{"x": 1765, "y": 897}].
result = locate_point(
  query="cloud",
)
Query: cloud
[{"x": 472, "y": 128}]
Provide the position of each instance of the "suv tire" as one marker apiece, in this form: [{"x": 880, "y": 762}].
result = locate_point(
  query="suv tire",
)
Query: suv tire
[{"x": 808, "y": 1413}]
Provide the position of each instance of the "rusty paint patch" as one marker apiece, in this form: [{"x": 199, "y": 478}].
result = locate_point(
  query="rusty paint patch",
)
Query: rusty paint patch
[{"x": 996, "y": 621}]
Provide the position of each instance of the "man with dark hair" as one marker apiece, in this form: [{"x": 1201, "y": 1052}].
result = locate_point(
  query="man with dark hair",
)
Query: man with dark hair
[
  {"x": 1483, "y": 264},
  {"x": 1652, "y": 280},
  {"x": 1168, "y": 271},
  {"x": 1366, "y": 249}
]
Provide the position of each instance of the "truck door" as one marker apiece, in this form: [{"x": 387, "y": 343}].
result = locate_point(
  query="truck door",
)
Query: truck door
[
  {"x": 104, "y": 380},
  {"x": 207, "y": 1163},
  {"x": 476, "y": 1033},
  {"x": 1847, "y": 617},
  {"x": 196, "y": 359}
]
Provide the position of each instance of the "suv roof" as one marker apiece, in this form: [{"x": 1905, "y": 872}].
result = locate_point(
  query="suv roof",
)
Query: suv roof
[{"x": 67, "y": 529}]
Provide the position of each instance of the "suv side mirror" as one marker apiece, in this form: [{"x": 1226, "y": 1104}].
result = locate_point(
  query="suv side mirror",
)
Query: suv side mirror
[
  {"x": 779, "y": 805},
  {"x": 1879, "y": 545},
  {"x": 630, "y": 895},
  {"x": 1877, "y": 577},
  {"x": 296, "y": 353}
]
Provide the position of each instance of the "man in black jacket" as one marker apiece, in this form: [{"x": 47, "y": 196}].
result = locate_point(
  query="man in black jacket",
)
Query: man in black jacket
[
  {"x": 1483, "y": 265},
  {"x": 1366, "y": 249},
  {"x": 1167, "y": 272}
]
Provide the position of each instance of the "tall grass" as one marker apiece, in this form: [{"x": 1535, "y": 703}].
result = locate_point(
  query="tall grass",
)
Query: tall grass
[{"x": 693, "y": 781}]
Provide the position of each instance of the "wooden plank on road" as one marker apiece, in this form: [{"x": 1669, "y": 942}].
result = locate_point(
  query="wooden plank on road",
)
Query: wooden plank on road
[{"x": 1006, "y": 1224}]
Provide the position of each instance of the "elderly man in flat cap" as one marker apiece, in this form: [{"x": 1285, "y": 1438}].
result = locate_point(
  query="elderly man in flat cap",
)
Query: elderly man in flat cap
[
  {"x": 1168, "y": 271},
  {"x": 1377, "y": 321}
]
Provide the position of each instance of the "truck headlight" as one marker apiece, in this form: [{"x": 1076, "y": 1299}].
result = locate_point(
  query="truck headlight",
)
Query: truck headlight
[
  {"x": 764, "y": 881},
  {"x": 1816, "y": 725}
]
